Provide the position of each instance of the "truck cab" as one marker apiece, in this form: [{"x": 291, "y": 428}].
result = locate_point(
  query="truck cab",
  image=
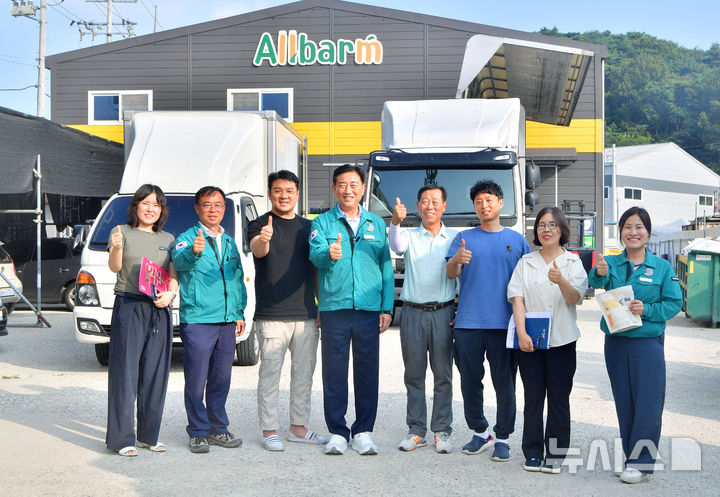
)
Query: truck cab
[
  {"x": 182, "y": 152},
  {"x": 452, "y": 143}
]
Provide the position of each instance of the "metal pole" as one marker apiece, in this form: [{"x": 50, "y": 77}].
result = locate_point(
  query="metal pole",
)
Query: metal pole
[
  {"x": 41, "y": 61},
  {"x": 155, "y": 19},
  {"x": 38, "y": 229},
  {"x": 109, "y": 21},
  {"x": 615, "y": 193}
]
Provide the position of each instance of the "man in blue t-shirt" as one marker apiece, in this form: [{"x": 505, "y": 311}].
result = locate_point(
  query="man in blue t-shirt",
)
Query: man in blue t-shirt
[{"x": 484, "y": 259}]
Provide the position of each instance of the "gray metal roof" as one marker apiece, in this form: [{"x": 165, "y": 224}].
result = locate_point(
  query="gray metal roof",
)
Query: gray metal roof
[{"x": 599, "y": 50}]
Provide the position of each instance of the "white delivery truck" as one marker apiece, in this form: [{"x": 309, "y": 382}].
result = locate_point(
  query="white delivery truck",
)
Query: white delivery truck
[
  {"x": 452, "y": 143},
  {"x": 181, "y": 152}
]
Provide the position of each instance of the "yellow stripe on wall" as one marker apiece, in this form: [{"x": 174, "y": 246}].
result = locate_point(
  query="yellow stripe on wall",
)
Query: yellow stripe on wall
[
  {"x": 585, "y": 135},
  {"x": 363, "y": 137},
  {"x": 114, "y": 132},
  {"x": 341, "y": 138}
]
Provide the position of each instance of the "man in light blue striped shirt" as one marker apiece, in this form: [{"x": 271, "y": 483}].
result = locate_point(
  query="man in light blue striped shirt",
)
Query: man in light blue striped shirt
[{"x": 428, "y": 308}]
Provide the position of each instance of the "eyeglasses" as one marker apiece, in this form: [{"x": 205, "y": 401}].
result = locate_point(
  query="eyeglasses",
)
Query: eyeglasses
[
  {"x": 150, "y": 205},
  {"x": 354, "y": 185},
  {"x": 548, "y": 226},
  {"x": 278, "y": 192},
  {"x": 208, "y": 205}
]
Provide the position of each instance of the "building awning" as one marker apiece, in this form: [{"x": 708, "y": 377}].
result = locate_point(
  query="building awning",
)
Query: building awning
[
  {"x": 552, "y": 156},
  {"x": 546, "y": 78}
]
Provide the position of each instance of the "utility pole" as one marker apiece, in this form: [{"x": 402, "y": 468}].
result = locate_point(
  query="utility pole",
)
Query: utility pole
[
  {"x": 109, "y": 24},
  {"x": 41, "y": 60},
  {"x": 27, "y": 9},
  {"x": 109, "y": 21}
]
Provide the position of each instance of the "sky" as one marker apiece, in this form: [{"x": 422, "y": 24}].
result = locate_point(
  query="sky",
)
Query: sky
[{"x": 692, "y": 24}]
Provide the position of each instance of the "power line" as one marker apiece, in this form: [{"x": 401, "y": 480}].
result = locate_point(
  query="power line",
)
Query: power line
[
  {"x": 56, "y": 7},
  {"x": 18, "y": 89},
  {"x": 142, "y": 2},
  {"x": 15, "y": 62}
]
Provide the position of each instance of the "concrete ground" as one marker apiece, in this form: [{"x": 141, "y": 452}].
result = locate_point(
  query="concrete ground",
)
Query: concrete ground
[{"x": 52, "y": 426}]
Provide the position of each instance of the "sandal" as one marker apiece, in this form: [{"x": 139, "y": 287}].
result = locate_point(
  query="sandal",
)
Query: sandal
[
  {"x": 310, "y": 438},
  {"x": 128, "y": 451},
  {"x": 158, "y": 447}
]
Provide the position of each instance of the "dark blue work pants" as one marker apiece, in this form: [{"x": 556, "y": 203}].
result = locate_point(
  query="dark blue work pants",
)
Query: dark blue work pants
[
  {"x": 636, "y": 367},
  {"x": 470, "y": 349},
  {"x": 140, "y": 352},
  {"x": 209, "y": 351},
  {"x": 339, "y": 330}
]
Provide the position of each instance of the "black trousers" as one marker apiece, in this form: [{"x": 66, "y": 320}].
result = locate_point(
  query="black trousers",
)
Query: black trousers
[
  {"x": 469, "y": 350},
  {"x": 547, "y": 373},
  {"x": 140, "y": 353}
]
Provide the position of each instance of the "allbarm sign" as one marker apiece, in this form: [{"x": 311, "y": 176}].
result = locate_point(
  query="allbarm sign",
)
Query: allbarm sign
[{"x": 291, "y": 48}]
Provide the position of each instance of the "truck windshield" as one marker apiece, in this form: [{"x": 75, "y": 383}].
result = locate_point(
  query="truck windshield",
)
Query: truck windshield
[
  {"x": 387, "y": 184},
  {"x": 182, "y": 216}
]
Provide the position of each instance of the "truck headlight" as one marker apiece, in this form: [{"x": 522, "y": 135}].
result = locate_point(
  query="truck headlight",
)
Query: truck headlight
[{"x": 86, "y": 293}]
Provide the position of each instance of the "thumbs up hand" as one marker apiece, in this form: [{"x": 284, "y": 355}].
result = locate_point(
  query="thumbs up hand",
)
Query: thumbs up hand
[
  {"x": 399, "y": 212},
  {"x": 601, "y": 267},
  {"x": 554, "y": 274},
  {"x": 199, "y": 243},
  {"x": 463, "y": 255},
  {"x": 266, "y": 232},
  {"x": 336, "y": 248},
  {"x": 116, "y": 239}
]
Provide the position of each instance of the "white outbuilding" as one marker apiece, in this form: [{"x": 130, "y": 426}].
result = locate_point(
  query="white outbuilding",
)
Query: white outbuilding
[{"x": 671, "y": 184}]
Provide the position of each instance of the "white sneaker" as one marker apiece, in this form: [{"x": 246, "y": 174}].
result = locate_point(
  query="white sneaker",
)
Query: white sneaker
[
  {"x": 632, "y": 475},
  {"x": 363, "y": 444},
  {"x": 336, "y": 446},
  {"x": 442, "y": 443}
]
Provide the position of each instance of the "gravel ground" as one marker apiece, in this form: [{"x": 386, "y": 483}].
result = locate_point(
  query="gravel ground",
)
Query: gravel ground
[{"x": 53, "y": 406}]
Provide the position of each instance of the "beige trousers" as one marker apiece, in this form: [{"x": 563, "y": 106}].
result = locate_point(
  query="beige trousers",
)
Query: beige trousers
[{"x": 276, "y": 337}]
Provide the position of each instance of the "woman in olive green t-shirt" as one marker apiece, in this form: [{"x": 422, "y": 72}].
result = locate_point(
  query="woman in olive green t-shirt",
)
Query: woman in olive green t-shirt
[{"x": 141, "y": 327}]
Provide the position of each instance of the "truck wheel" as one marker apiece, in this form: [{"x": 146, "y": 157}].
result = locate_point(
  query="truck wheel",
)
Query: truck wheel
[
  {"x": 248, "y": 351},
  {"x": 68, "y": 296},
  {"x": 102, "y": 352}
]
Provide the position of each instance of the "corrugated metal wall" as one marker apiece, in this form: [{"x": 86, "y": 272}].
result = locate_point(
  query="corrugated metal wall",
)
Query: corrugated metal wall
[{"x": 421, "y": 60}]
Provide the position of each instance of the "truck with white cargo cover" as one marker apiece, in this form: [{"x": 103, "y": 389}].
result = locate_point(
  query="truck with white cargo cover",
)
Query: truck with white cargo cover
[
  {"x": 452, "y": 143},
  {"x": 181, "y": 152}
]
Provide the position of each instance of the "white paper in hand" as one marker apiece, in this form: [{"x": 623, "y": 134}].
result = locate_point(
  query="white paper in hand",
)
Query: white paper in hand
[{"x": 615, "y": 306}]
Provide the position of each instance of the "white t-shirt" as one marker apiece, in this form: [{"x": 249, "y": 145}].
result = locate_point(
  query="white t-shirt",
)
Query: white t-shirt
[{"x": 530, "y": 281}]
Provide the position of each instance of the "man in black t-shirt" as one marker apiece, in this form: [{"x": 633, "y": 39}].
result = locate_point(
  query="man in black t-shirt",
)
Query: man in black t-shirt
[{"x": 285, "y": 312}]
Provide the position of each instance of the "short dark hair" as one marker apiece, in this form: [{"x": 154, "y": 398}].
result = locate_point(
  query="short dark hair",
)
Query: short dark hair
[
  {"x": 208, "y": 190},
  {"x": 346, "y": 168},
  {"x": 433, "y": 187},
  {"x": 283, "y": 174},
  {"x": 560, "y": 220},
  {"x": 140, "y": 195},
  {"x": 485, "y": 186},
  {"x": 641, "y": 213}
]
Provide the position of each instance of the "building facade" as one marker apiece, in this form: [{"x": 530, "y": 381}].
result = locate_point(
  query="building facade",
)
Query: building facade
[
  {"x": 663, "y": 178},
  {"x": 327, "y": 66}
]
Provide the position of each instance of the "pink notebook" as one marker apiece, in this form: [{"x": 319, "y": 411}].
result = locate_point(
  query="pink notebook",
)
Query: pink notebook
[{"x": 153, "y": 279}]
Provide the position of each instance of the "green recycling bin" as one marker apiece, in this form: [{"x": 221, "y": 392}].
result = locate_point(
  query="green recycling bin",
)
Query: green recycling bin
[{"x": 699, "y": 276}]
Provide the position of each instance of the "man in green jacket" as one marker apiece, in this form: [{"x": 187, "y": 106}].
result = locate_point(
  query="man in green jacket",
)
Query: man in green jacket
[
  {"x": 212, "y": 301},
  {"x": 349, "y": 246}
]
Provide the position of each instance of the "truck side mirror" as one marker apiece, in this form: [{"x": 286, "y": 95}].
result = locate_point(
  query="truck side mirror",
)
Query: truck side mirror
[
  {"x": 532, "y": 198},
  {"x": 79, "y": 236},
  {"x": 532, "y": 176}
]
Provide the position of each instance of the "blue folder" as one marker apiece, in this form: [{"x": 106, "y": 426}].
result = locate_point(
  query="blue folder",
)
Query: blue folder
[{"x": 537, "y": 325}]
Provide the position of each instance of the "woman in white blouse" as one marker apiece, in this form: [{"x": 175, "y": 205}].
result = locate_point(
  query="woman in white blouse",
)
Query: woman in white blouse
[{"x": 551, "y": 280}]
